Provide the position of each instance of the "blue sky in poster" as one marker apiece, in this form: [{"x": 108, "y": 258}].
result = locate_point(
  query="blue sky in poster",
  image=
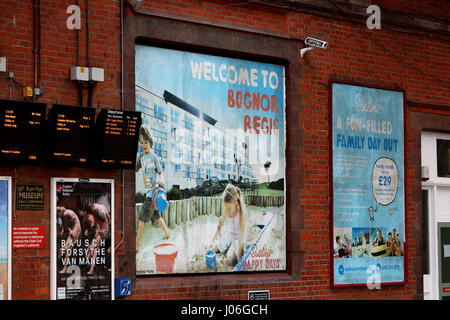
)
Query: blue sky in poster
[
  {"x": 3, "y": 220},
  {"x": 159, "y": 69},
  {"x": 368, "y": 172}
]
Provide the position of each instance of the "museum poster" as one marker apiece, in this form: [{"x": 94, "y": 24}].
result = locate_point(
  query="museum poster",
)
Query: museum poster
[
  {"x": 210, "y": 168},
  {"x": 368, "y": 184},
  {"x": 5, "y": 238},
  {"x": 82, "y": 235}
]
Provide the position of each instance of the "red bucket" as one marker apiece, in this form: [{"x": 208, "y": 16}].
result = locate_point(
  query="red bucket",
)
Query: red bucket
[{"x": 165, "y": 255}]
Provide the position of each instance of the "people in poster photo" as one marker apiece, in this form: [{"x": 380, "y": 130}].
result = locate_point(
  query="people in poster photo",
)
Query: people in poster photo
[
  {"x": 367, "y": 242},
  {"x": 69, "y": 229},
  {"x": 393, "y": 243},
  {"x": 378, "y": 243},
  {"x": 342, "y": 242},
  {"x": 231, "y": 244},
  {"x": 98, "y": 221},
  {"x": 87, "y": 236},
  {"x": 151, "y": 173},
  {"x": 361, "y": 243}
]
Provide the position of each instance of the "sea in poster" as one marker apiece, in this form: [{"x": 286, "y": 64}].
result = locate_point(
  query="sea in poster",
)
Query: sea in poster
[
  {"x": 368, "y": 185},
  {"x": 83, "y": 241},
  {"x": 217, "y": 124}
]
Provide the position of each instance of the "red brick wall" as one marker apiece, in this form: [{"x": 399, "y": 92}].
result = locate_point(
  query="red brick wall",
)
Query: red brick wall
[
  {"x": 31, "y": 268},
  {"x": 377, "y": 57}
]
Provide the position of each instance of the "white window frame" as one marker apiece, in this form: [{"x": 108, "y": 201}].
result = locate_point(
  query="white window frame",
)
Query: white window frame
[{"x": 435, "y": 185}]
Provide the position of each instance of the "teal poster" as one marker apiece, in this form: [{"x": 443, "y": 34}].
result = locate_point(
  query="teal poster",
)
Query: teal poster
[{"x": 368, "y": 186}]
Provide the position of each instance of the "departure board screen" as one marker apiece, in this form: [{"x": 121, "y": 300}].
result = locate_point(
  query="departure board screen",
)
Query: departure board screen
[
  {"x": 70, "y": 132},
  {"x": 117, "y": 136},
  {"x": 21, "y": 130}
]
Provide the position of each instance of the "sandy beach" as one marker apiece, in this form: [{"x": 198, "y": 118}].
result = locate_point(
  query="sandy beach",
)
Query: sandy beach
[
  {"x": 192, "y": 239},
  {"x": 4, "y": 279}
]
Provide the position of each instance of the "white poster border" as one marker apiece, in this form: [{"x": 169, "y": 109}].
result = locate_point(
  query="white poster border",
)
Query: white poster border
[{"x": 53, "y": 248}]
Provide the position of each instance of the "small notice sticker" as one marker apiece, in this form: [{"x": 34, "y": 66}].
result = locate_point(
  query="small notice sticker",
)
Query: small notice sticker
[
  {"x": 28, "y": 237},
  {"x": 259, "y": 295}
]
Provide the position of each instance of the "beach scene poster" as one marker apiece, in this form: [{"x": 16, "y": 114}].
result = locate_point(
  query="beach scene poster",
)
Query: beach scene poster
[{"x": 210, "y": 167}]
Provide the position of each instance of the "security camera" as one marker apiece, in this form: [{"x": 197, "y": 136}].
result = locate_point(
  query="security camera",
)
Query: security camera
[
  {"x": 312, "y": 43},
  {"x": 316, "y": 43}
]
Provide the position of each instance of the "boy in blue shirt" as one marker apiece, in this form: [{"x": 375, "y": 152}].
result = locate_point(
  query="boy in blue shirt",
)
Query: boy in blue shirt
[{"x": 151, "y": 169}]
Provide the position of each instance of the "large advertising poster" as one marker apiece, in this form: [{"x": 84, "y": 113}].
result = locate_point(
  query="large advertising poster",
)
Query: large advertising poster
[
  {"x": 368, "y": 236},
  {"x": 82, "y": 236},
  {"x": 5, "y": 238},
  {"x": 210, "y": 169}
]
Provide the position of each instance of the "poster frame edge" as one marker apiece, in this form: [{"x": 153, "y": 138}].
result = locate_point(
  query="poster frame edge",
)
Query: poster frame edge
[
  {"x": 8, "y": 179},
  {"x": 53, "y": 233},
  {"x": 331, "y": 83}
]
